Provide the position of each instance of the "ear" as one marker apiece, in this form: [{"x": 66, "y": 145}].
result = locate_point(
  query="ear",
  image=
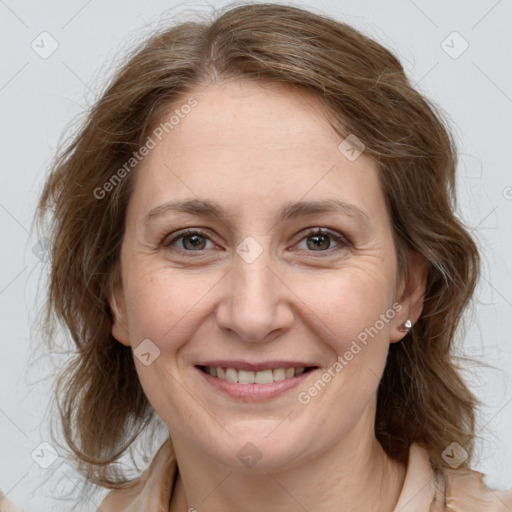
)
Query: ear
[
  {"x": 117, "y": 305},
  {"x": 411, "y": 295}
]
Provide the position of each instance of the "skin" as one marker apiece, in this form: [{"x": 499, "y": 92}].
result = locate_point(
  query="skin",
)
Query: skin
[{"x": 252, "y": 148}]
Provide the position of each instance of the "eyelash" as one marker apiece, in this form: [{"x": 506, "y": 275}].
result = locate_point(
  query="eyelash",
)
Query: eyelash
[{"x": 341, "y": 240}]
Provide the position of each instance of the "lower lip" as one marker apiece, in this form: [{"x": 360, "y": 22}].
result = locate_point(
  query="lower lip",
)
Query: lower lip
[{"x": 255, "y": 392}]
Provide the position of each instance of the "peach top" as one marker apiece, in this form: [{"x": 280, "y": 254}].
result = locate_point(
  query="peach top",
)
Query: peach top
[{"x": 424, "y": 490}]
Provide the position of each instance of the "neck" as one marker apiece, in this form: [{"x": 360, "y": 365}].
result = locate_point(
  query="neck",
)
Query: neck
[{"x": 353, "y": 475}]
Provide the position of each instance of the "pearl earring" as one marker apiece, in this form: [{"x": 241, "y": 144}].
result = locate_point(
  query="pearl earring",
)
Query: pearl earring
[{"x": 407, "y": 326}]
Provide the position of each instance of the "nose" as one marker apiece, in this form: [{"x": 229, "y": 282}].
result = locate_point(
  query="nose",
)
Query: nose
[{"x": 256, "y": 301}]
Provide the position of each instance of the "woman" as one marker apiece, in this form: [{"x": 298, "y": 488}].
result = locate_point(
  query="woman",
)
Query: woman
[{"x": 254, "y": 243}]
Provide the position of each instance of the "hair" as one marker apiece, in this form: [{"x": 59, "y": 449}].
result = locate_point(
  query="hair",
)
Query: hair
[{"x": 422, "y": 396}]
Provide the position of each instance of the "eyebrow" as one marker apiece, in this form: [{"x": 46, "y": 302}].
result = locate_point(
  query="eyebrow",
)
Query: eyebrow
[{"x": 207, "y": 208}]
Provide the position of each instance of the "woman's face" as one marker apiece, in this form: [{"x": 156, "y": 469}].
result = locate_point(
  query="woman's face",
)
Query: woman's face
[{"x": 257, "y": 287}]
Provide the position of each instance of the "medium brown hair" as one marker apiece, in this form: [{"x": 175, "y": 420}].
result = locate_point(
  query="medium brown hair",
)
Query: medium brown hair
[{"x": 422, "y": 396}]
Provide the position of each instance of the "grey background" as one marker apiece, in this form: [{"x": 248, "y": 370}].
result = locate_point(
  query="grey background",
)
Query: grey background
[{"x": 40, "y": 96}]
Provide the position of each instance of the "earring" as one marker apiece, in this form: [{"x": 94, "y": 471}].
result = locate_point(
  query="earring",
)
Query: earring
[{"x": 407, "y": 326}]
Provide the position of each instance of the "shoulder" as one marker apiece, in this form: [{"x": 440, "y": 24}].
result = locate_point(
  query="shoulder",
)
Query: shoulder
[
  {"x": 123, "y": 499},
  {"x": 467, "y": 492},
  {"x": 150, "y": 491},
  {"x": 6, "y": 505},
  {"x": 447, "y": 490}
]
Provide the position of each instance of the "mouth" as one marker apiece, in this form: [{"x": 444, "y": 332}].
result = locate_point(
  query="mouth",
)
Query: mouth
[
  {"x": 246, "y": 377},
  {"x": 246, "y": 385}
]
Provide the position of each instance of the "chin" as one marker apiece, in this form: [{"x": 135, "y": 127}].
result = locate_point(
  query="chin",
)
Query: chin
[{"x": 259, "y": 448}]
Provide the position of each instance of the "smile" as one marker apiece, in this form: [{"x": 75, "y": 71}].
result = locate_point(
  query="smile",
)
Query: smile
[
  {"x": 248, "y": 377},
  {"x": 252, "y": 386}
]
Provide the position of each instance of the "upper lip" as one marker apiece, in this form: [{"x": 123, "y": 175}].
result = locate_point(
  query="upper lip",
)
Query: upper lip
[{"x": 255, "y": 367}]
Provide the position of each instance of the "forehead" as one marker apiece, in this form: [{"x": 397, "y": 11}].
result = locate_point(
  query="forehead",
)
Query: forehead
[
  {"x": 245, "y": 142},
  {"x": 243, "y": 117}
]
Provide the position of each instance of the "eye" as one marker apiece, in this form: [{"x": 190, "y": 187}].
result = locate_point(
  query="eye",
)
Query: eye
[
  {"x": 320, "y": 240},
  {"x": 195, "y": 240},
  {"x": 191, "y": 240}
]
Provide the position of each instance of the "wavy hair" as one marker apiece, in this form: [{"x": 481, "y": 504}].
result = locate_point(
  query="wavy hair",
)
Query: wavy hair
[{"x": 422, "y": 396}]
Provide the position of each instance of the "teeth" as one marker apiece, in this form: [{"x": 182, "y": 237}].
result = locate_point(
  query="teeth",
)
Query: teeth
[
  {"x": 279, "y": 374},
  {"x": 245, "y": 377},
  {"x": 248, "y": 377},
  {"x": 231, "y": 375},
  {"x": 264, "y": 377}
]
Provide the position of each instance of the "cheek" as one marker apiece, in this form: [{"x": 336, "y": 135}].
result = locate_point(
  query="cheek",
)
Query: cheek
[
  {"x": 353, "y": 314},
  {"x": 164, "y": 304},
  {"x": 350, "y": 302},
  {"x": 168, "y": 305}
]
